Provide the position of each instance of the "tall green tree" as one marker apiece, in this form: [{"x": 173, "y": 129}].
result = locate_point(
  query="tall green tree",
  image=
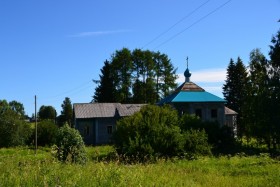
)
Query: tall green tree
[
  {"x": 105, "y": 91},
  {"x": 274, "y": 82},
  {"x": 122, "y": 67},
  {"x": 234, "y": 90},
  {"x": 47, "y": 112},
  {"x": 12, "y": 105},
  {"x": 166, "y": 75},
  {"x": 136, "y": 77},
  {"x": 256, "y": 105},
  {"x": 4, "y": 106},
  {"x": 229, "y": 86},
  {"x": 142, "y": 79},
  {"x": 67, "y": 111},
  {"x": 17, "y": 107}
]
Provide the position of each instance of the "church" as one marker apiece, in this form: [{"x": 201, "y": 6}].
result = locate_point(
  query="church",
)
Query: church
[
  {"x": 192, "y": 99},
  {"x": 97, "y": 121}
]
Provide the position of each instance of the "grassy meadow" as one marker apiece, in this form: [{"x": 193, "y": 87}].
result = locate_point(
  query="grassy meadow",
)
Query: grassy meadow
[{"x": 20, "y": 167}]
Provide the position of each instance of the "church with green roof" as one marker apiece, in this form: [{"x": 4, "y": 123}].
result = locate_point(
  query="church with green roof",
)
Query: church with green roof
[{"x": 192, "y": 99}]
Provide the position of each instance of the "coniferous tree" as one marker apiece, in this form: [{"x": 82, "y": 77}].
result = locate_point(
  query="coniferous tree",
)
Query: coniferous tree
[
  {"x": 234, "y": 90},
  {"x": 229, "y": 86},
  {"x": 67, "y": 111},
  {"x": 105, "y": 91},
  {"x": 274, "y": 83}
]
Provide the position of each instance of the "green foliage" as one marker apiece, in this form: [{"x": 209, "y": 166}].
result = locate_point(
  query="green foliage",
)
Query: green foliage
[
  {"x": 234, "y": 90},
  {"x": 196, "y": 143},
  {"x": 137, "y": 76},
  {"x": 13, "y": 130},
  {"x": 15, "y": 106},
  {"x": 67, "y": 112},
  {"x": 273, "y": 140},
  {"x": 70, "y": 146},
  {"x": 47, "y": 112},
  {"x": 257, "y": 106},
  {"x": 153, "y": 131},
  {"x": 46, "y": 133},
  {"x": 105, "y": 91},
  {"x": 220, "y": 137}
]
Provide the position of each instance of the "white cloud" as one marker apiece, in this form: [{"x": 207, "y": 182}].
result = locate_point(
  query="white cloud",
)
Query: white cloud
[
  {"x": 97, "y": 33},
  {"x": 206, "y": 75}
]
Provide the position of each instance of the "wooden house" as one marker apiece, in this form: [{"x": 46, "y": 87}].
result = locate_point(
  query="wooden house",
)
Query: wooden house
[{"x": 97, "y": 121}]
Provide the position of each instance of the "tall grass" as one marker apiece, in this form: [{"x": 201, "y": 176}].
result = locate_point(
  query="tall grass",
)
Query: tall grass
[{"x": 20, "y": 167}]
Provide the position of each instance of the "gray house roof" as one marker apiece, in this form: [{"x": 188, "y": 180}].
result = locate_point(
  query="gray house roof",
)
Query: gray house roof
[
  {"x": 100, "y": 110},
  {"x": 229, "y": 111}
]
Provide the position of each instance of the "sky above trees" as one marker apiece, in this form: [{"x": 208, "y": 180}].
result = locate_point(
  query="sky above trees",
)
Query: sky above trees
[{"x": 53, "y": 49}]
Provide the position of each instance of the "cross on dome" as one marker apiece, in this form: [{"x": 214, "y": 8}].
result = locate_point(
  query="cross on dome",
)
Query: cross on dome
[{"x": 187, "y": 73}]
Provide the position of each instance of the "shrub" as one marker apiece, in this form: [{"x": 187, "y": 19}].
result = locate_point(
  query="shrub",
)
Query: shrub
[
  {"x": 70, "y": 146},
  {"x": 222, "y": 138},
  {"x": 153, "y": 131},
  {"x": 13, "y": 130},
  {"x": 47, "y": 132},
  {"x": 196, "y": 143}
]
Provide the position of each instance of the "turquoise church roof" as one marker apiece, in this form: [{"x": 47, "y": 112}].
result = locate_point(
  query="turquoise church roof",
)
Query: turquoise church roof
[{"x": 190, "y": 92}]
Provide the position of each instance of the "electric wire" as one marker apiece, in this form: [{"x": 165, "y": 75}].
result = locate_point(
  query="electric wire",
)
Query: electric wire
[
  {"x": 167, "y": 30},
  {"x": 70, "y": 92},
  {"x": 193, "y": 24}
]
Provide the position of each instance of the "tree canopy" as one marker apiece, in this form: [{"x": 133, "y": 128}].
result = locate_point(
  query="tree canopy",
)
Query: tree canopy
[
  {"x": 47, "y": 112},
  {"x": 67, "y": 111},
  {"x": 135, "y": 77},
  {"x": 255, "y": 94},
  {"x": 234, "y": 89}
]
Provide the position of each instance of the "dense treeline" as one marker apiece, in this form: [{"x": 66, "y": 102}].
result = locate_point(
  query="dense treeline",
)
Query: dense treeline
[
  {"x": 254, "y": 92},
  {"x": 16, "y": 128},
  {"x": 135, "y": 77}
]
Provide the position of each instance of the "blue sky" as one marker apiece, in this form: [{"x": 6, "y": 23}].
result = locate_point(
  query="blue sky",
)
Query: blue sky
[{"x": 53, "y": 49}]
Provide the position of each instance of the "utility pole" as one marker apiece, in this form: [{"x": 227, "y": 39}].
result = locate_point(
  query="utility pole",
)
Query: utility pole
[{"x": 35, "y": 125}]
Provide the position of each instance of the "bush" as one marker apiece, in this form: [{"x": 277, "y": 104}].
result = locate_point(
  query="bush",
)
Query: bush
[
  {"x": 153, "y": 131},
  {"x": 46, "y": 133},
  {"x": 70, "y": 146},
  {"x": 13, "y": 130},
  {"x": 196, "y": 143},
  {"x": 222, "y": 138}
]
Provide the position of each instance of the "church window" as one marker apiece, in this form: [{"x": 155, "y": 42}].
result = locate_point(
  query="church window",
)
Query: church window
[
  {"x": 198, "y": 113},
  {"x": 214, "y": 113}
]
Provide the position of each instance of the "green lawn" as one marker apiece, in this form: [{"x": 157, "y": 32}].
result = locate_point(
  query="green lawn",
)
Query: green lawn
[{"x": 20, "y": 167}]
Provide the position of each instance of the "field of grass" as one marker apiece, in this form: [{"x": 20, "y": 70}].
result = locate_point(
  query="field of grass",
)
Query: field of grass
[{"x": 20, "y": 167}]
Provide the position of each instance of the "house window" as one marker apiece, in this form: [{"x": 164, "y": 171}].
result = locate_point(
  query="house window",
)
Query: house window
[
  {"x": 214, "y": 113},
  {"x": 109, "y": 129},
  {"x": 86, "y": 130},
  {"x": 198, "y": 113}
]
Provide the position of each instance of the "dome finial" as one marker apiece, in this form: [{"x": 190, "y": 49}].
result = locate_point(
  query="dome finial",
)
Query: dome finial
[{"x": 187, "y": 72}]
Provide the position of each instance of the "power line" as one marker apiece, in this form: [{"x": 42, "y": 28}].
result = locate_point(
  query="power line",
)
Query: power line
[
  {"x": 167, "y": 30},
  {"x": 70, "y": 91},
  {"x": 196, "y": 22}
]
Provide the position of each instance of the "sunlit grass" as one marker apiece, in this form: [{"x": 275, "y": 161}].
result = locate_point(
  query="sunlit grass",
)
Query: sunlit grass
[{"x": 20, "y": 167}]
